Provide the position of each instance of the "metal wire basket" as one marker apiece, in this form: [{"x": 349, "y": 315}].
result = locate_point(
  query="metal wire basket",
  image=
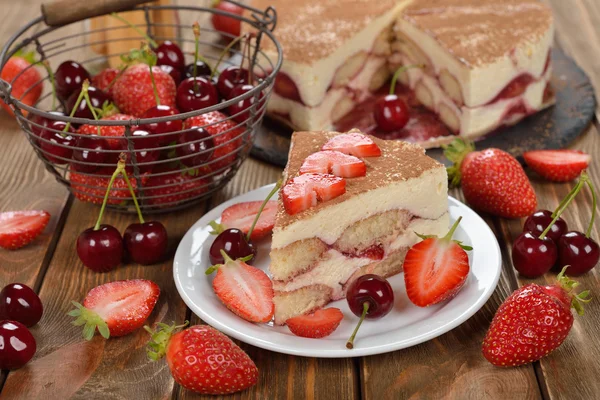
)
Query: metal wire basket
[{"x": 159, "y": 186}]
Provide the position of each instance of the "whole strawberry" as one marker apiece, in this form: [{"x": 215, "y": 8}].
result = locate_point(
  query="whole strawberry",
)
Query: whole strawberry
[
  {"x": 492, "y": 180},
  {"x": 104, "y": 80},
  {"x": 133, "y": 92},
  {"x": 168, "y": 187},
  {"x": 532, "y": 322},
  {"x": 92, "y": 189},
  {"x": 25, "y": 81},
  {"x": 110, "y": 131},
  {"x": 202, "y": 359}
]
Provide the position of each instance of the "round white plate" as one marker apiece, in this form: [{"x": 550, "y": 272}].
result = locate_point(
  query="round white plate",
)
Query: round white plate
[{"x": 406, "y": 325}]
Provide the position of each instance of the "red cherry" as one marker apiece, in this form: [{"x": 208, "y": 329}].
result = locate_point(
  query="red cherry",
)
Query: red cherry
[
  {"x": 233, "y": 241},
  {"x": 97, "y": 97},
  {"x": 202, "y": 69},
  {"x": 18, "y": 302},
  {"x": 146, "y": 243},
  {"x": 160, "y": 129},
  {"x": 229, "y": 78},
  {"x": 194, "y": 147},
  {"x": 230, "y": 27},
  {"x": 196, "y": 94},
  {"x": 174, "y": 72},
  {"x": 39, "y": 123},
  {"x": 533, "y": 256},
  {"x": 89, "y": 151},
  {"x": 578, "y": 251},
  {"x": 169, "y": 53},
  {"x": 69, "y": 77},
  {"x": 539, "y": 220},
  {"x": 17, "y": 345},
  {"x": 100, "y": 250},
  {"x": 238, "y": 110},
  {"x": 391, "y": 113},
  {"x": 57, "y": 145}
]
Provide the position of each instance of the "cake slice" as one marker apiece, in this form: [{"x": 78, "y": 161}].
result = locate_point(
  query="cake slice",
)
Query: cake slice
[
  {"x": 339, "y": 232},
  {"x": 486, "y": 62}
]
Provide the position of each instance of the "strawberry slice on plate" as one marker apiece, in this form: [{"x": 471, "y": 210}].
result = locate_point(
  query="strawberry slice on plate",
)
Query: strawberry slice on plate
[
  {"x": 242, "y": 215},
  {"x": 557, "y": 165},
  {"x": 319, "y": 324},
  {"x": 116, "y": 308},
  {"x": 304, "y": 191},
  {"x": 354, "y": 144},
  {"x": 19, "y": 228},
  {"x": 435, "y": 269},
  {"x": 335, "y": 163},
  {"x": 245, "y": 290}
]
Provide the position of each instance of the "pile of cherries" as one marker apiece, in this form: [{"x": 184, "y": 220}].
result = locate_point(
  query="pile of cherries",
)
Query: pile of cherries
[
  {"x": 546, "y": 241},
  {"x": 20, "y": 309}
]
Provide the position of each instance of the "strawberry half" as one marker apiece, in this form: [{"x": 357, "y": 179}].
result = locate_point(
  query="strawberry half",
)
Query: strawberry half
[
  {"x": 304, "y": 191},
  {"x": 319, "y": 324},
  {"x": 557, "y": 165},
  {"x": 245, "y": 290},
  {"x": 19, "y": 228},
  {"x": 116, "y": 308},
  {"x": 354, "y": 144},
  {"x": 435, "y": 269},
  {"x": 335, "y": 163},
  {"x": 202, "y": 359},
  {"x": 242, "y": 215},
  {"x": 532, "y": 322}
]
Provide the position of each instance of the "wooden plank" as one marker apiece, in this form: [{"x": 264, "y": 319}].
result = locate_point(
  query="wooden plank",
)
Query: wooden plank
[{"x": 282, "y": 376}]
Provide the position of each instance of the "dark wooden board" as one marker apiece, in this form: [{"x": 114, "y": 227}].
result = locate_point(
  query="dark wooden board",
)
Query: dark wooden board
[{"x": 552, "y": 128}]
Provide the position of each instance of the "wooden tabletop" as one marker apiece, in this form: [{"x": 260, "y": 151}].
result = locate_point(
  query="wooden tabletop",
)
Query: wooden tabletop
[{"x": 450, "y": 366}]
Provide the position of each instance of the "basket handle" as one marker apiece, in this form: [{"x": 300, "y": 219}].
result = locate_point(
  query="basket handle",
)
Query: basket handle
[{"x": 62, "y": 12}]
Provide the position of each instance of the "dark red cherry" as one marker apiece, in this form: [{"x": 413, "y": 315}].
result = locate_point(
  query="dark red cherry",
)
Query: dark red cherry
[
  {"x": 233, "y": 242},
  {"x": 57, "y": 146},
  {"x": 537, "y": 222},
  {"x": 194, "y": 147},
  {"x": 578, "y": 251},
  {"x": 202, "y": 69},
  {"x": 169, "y": 53},
  {"x": 160, "y": 130},
  {"x": 18, "y": 302},
  {"x": 196, "y": 94},
  {"x": 17, "y": 345},
  {"x": 144, "y": 145},
  {"x": 391, "y": 113},
  {"x": 146, "y": 243},
  {"x": 97, "y": 97},
  {"x": 38, "y": 123},
  {"x": 239, "y": 110},
  {"x": 100, "y": 250},
  {"x": 229, "y": 78},
  {"x": 69, "y": 77},
  {"x": 533, "y": 256},
  {"x": 90, "y": 150},
  {"x": 174, "y": 72}
]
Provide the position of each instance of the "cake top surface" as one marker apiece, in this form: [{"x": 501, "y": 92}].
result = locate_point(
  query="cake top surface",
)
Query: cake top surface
[
  {"x": 399, "y": 161},
  {"x": 478, "y": 32},
  {"x": 309, "y": 30}
]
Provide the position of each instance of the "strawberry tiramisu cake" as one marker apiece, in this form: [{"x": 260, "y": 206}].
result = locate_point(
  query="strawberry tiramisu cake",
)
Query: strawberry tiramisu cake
[{"x": 351, "y": 204}]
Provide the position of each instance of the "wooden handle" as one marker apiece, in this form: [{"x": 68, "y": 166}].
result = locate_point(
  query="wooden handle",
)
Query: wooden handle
[{"x": 63, "y": 12}]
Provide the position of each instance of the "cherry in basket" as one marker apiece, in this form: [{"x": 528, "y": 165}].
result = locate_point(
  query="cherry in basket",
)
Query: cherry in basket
[{"x": 68, "y": 78}]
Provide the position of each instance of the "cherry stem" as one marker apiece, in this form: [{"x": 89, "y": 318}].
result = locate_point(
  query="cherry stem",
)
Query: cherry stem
[
  {"x": 120, "y": 168},
  {"x": 450, "y": 233},
  {"x": 131, "y": 191},
  {"x": 594, "y": 202},
  {"x": 262, "y": 206},
  {"x": 84, "y": 88},
  {"x": 250, "y": 69},
  {"x": 135, "y": 28},
  {"x": 565, "y": 203},
  {"x": 121, "y": 72},
  {"x": 86, "y": 96},
  {"x": 225, "y": 256},
  {"x": 397, "y": 74},
  {"x": 226, "y": 50},
  {"x": 350, "y": 342},
  {"x": 196, "y": 29},
  {"x": 46, "y": 65}
]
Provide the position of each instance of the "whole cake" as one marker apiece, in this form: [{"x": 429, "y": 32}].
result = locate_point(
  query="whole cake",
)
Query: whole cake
[{"x": 351, "y": 204}]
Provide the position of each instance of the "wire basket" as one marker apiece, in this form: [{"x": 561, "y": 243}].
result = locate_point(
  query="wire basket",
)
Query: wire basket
[{"x": 163, "y": 184}]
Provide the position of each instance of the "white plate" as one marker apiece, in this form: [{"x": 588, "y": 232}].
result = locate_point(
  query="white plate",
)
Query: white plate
[{"x": 406, "y": 325}]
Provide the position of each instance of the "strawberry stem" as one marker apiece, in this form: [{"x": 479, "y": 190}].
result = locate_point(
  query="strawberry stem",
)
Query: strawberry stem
[
  {"x": 594, "y": 202},
  {"x": 456, "y": 152},
  {"x": 157, "y": 346},
  {"x": 262, "y": 206},
  {"x": 84, "y": 88},
  {"x": 120, "y": 168},
  {"x": 350, "y": 342},
  {"x": 133, "y": 196},
  {"x": 450, "y": 233},
  {"x": 46, "y": 65},
  {"x": 226, "y": 50},
  {"x": 397, "y": 74},
  {"x": 569, "y": 285},
  {"x": 565, "y": 203},
  {"x": 225, "y": 256},
  {"x": 135, "y": 28},
  {"x": 226, "y": 259},
  {"x": 90, "y": 320}
]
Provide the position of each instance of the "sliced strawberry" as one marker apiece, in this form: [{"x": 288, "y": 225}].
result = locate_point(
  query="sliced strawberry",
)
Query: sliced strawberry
[
  {"x": 333, "y": 162},
  {"x": 353, "y": 143},
  {"x": 242, "y": 215},
  {"x": 319, "y": 324},
  {"x": 19, "y": 228},
  {"x": 116, "y": 308},
  {"x": 435, "y": 269},
  {"x": 245, "y": 290},
  {"x": 304, "y": 191},
  {"x": 557, "y": 165}
]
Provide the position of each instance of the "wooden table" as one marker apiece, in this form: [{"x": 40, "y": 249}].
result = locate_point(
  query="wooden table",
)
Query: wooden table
[{"x": 450, "y": 366}]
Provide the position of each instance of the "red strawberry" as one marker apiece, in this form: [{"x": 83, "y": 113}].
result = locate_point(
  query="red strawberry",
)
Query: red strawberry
[
  {"x": 25, "y": 81},
  {"x": 202, "y": 359},
  {"x": 557, "y": 165},
  {"x": 167, "y": 188},
  {"x": 304, "y": 191},
  {"x": 335, "y": 163},
  {"x": 104, "y": 79},
  {"x": 110, "y": 131},
  {"x": 19, "y": 228},
  {"x": 532, "y": 322},
  {"x": 227, "y": 137},
  {"x": 242, "y": 215},
  {"x": 230, "y": 26},
  {"x": 319, "y": 324},
  {"x": 435, "y": 269},
  {"x": 492, "y": 180},
  {"x": 245, "y": 290},
  {"x": 92, "y": 189},
  {"x": 133, "y": 92},
  {"x": 353, "y": 143},
  {"x": 116, "y": 308}
]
